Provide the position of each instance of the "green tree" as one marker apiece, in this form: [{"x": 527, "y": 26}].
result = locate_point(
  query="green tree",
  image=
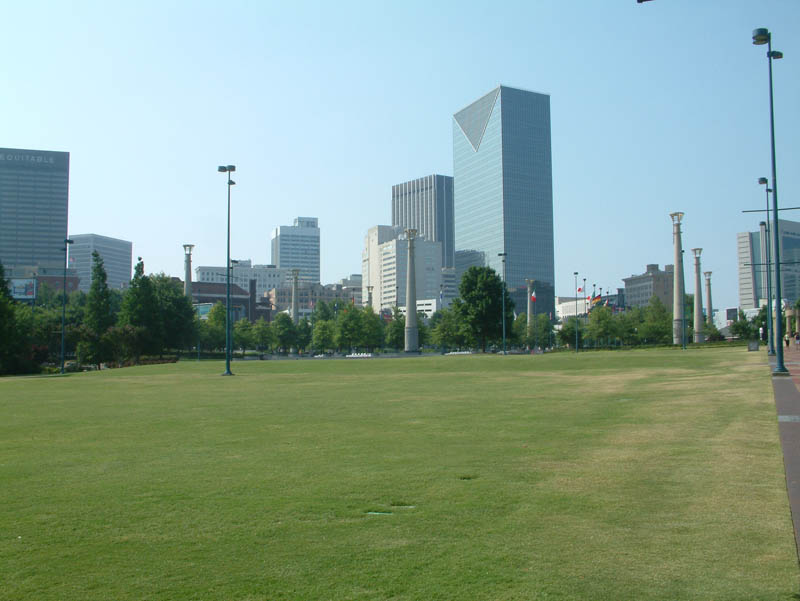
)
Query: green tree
[
  {"x": 348, "y": 328},
  {"x": 263, "y": 336},
  {"x": 566, "y": 335},
  {"x": 447, "y": 331},
  {"x": 481, "y": 292},
  {"x": 212, "y": 330},
  {"x": 98, "y": 318},
  {"x": 322, "y": 312},
  {"x": 243, "y": 335},
  {"x": 323, "y": 338},
  {"x": 603, "y": 328},
  {"x": 284, "y": 332},
  {"x": 656, "y": 326},
  {"x": 303, "y": 330},
  {"x": 371, "y": 329},
  {"x": 175, "y": 312},
  {"x": 140, "y": 309},
  {"x": 396, "y": 330},
  {"x": 743, "y": 329}
]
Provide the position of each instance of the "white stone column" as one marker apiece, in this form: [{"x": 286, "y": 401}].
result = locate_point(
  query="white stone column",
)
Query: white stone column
[
  {"x": 295, "y": 311},
  {"x": 708, "y": 297},
  {"x": 677, "y": 287},
  {"x": 698, "y": 298},
  {"x": 187, "y": 270},
  {"x": 411, "y": 332}
]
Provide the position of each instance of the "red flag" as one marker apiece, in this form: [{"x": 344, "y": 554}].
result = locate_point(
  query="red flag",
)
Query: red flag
[
  {"x": 533, "y": 295},
  {"x": 580, "y": 289}
]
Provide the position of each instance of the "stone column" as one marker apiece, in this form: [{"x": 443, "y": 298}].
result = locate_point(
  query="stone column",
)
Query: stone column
[
  {"x": 412, "y": 333},
  {"x": 789, "y": 316},
  {"x": 529, "y": 329},
  {"x": 369, "y": 297},
  {"x": 677, "y": 286},
  {"x": 708, "y": 297},
  {"x": 698, "y": 298},
  {"x": 187, "y": 270},
  {"x": 294, "y": 315}
]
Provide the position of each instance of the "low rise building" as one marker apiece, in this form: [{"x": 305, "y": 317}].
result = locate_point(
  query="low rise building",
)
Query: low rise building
[{"x": 639, "y": 289}]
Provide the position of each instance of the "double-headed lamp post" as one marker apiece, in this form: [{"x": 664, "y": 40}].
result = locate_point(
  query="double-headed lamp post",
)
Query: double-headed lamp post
[
  {"x": 762, "y": 36},
  {"x": 67, "y": 242},
  {"x": 228, "y": 169},
  {"x": 503, "y": 256},
  {"x": 768, "y": 260}
]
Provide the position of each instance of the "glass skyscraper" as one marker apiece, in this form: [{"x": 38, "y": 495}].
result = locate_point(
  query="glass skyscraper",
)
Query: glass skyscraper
[
  {"x": 297, "y": 247},
  {"x": 34, "y": 192},
  {"x": 503, "y": 189}
]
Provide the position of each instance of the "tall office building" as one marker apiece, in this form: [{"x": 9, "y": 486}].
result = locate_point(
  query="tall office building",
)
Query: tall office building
[
  {"x": 116, "y": 255},
  {"x": 426, "y": 205},
  {"x": 752, "y": 258},
  {"x": 34, "y": 193},
  {"x": 503, "y": 196},
  {"x": 297, "y": 247}
]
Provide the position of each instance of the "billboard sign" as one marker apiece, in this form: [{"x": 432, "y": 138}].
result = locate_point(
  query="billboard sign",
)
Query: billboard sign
[{"x": 23, "y": 289}]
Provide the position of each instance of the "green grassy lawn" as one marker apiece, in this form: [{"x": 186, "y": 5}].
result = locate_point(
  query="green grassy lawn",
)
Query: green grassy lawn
[{"x": 625, "y": 475}]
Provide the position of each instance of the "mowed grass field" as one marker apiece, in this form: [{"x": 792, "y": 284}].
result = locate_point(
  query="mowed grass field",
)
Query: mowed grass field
[{"x": 626, "y": 475}]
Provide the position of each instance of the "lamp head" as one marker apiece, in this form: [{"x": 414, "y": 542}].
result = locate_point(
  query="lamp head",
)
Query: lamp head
[
  {"x": 231, "y": 182},
  {"x": 707, "y": 274},
  {"x": 231, "y": 168},
  {"x": 763, "y": 180},
  {"x": 222, "y": 169},
  {"x": 776, "y": 54},
  {"x": 68, "y": 241},
  {"x": 188, "y": 248},
  {"x": 760, "y": 36},
  {"x": 697, "y": 252},
  {"x": 676, "y": 217}
]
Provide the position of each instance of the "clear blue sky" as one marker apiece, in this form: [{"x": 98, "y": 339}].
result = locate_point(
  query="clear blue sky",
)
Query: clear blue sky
[{"x": 322, "y": 106}]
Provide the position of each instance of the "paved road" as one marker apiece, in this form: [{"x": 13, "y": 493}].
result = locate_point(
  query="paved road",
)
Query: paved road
[{"x": 787, "y": 405}]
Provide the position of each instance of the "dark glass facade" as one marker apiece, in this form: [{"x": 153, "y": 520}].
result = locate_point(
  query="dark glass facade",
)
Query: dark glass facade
[
  {"x": 503, "y": 192},
  {"x": 34, "y": 192}
]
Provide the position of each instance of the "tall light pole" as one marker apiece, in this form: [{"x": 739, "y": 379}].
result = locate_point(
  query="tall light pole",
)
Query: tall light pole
[
  {"x": 228, "y": 169},
  {"x": 770, "y": 325},
  {"x": 503, "y": 256},
  {"x": 576, "y": 311},
  {"x": 762, "y": 36},
  {"x": 67, "y": 242}
]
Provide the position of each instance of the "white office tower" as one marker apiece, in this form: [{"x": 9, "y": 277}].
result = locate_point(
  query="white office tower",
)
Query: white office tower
[
  {"x": 117, "y": 258},
  {"x": 297, "y": 247}
]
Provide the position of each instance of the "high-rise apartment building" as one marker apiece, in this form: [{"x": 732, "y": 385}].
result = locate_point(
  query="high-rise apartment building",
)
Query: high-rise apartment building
[
  {"x": 297, "y": 247},
  {"x": 117, "y": 258},
  {"x": 426, "y": 205},
  {"x": 34, "y": 199},
  {"x": 752, "y": 259},
  {"x": 503, "y": 194}
]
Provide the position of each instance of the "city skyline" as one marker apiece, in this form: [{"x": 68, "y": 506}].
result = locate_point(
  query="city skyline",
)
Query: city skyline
[{"x": 642, "y": 126}]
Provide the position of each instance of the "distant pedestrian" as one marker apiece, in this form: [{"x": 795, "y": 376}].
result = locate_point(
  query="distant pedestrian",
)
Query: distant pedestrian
[
  {"x": 796, "y": 340},
  {"x": 786, "y": 340}
]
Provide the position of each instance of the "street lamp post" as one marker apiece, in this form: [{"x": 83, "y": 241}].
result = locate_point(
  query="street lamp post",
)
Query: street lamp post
[
  {"x": 67, "y": 242},
  {"x": 503, "y": 259},
  {"x": 762, "y": 36},
  {"x": 770, "y": 326},
  {"x": 228, "y": 169},
  {"x": 576, "y": 311}
]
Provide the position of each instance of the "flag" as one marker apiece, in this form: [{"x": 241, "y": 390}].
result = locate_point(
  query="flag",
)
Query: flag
[
  {"x": 580, "y": 289},
  {"x": 533, "y": 295},
  {"x": 597, "y": 299}
]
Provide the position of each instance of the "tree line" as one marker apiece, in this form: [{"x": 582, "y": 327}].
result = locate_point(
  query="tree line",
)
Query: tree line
[{"x": 153, "y": 317}]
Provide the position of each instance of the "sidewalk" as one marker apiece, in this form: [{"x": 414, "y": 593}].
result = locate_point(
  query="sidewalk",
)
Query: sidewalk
[{"x": 787, "y": 405}]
